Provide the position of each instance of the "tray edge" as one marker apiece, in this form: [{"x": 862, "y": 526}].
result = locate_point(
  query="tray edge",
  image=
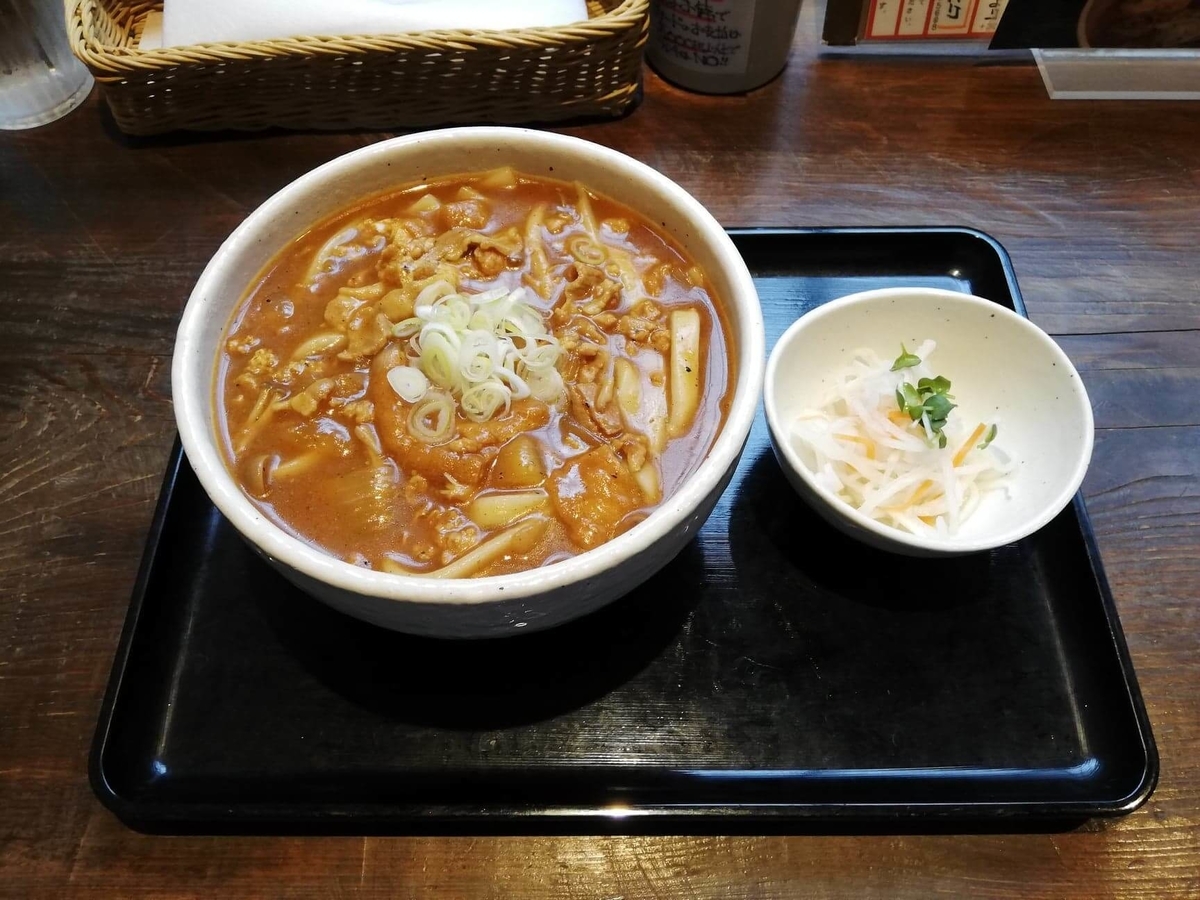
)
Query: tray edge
[{"x": 142, "y": 816}]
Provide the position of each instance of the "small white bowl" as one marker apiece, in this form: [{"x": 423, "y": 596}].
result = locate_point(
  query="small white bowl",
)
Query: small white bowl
[
  {"x": 473, "y": 607},
  {"x": 1002, "y": 368}
]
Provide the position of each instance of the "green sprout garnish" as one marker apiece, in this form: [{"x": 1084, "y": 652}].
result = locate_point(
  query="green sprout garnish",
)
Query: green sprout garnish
[
  {"x": 988, "y": 438},
  {"x": 905, "y": 360},
  {"x": 931, "y": 397},
  {"x": 938, "y": 385}
]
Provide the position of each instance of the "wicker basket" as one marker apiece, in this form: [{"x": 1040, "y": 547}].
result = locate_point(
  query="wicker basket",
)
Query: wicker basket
[{"x": 592, "y": 68}]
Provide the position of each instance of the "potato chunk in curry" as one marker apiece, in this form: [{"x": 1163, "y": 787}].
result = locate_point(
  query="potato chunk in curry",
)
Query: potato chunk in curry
[{"x": 593, "y": 493}]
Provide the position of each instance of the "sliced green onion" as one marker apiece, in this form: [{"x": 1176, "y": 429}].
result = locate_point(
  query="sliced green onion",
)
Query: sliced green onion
[
  {"x": 453, "y": 311},
  {"x": 432, "y": 420},
  {"x": 481, "y": 402},
  {"x": 409, "y": 383},
  {"x": 518, "y": 385},
  {"x": 476, "y": 356},
  {"x": 539, "y": 356},
  {"x": 547, "y": 385},
  {"x": 433, "y": 292},
  {"x": 407, "y": 327},
  {"x": 496, "y": 294},
  {"x": 483, "y": 350},
  {"x": 439, "y": 358},
  {"x": 521, "y": 322}
]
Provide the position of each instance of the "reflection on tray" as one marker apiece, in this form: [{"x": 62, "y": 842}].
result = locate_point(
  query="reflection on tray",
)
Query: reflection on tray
[{"x": 486, "y": 684}]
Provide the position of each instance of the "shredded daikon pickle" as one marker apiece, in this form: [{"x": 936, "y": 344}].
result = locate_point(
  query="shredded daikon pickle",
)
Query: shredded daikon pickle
[{"x": 864, "y": 447}]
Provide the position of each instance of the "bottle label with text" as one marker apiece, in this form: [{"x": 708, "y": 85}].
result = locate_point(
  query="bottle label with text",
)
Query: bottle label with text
[{"x": 705, "y": 35}]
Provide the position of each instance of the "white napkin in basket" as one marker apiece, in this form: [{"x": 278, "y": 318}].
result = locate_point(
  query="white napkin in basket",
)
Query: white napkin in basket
[{"x": 202, "y": 21}]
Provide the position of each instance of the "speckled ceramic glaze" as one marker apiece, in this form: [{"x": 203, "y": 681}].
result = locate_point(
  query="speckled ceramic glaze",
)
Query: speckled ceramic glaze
[
  {"x": 479, "y": 607},
  {"x": 1002, "y": 367}
]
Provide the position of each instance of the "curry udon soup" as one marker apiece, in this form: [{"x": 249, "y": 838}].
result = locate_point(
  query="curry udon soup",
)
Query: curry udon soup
[{"x": 473, "y": 376}]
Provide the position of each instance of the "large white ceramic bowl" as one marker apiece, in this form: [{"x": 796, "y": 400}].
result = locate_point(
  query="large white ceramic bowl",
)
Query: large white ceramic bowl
[
  {"x": 1001, "y": 367},
  {"x": 502, "y": 604}
]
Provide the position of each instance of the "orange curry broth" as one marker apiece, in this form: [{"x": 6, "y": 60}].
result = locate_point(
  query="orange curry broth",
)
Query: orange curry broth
[{"x": 316, "y": 475}]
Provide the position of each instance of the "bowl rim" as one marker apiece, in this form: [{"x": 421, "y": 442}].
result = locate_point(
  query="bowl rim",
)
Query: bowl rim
[
  {"x": 1051, "y": 508},
  {"x": 196, "y": 426}
]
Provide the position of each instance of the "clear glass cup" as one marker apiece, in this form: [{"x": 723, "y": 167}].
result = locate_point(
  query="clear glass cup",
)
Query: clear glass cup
[{"x": 40, "y": 79}]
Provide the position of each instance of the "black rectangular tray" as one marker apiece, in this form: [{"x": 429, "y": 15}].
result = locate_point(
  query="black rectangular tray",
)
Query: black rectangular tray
[{"x": 775, "y": 676}]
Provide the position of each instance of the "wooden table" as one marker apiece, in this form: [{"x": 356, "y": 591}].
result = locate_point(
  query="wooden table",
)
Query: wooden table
[{"x": 101, "y": 240}]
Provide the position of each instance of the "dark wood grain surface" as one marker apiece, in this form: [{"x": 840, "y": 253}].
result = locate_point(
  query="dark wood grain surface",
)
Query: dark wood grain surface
[{"x": 102, "y": 238}]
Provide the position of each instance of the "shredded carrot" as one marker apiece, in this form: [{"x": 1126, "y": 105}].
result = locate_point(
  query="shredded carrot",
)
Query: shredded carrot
[
  {"x": 971, "y": 441},
  {"x": 866, "y": 442},
  {"x": 915, "y": 497},
  {"x": 919, "y": 493}
]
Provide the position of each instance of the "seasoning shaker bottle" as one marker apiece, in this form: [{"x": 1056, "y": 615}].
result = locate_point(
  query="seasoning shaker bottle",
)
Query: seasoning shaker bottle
[{"x": 721, "y": 46}]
